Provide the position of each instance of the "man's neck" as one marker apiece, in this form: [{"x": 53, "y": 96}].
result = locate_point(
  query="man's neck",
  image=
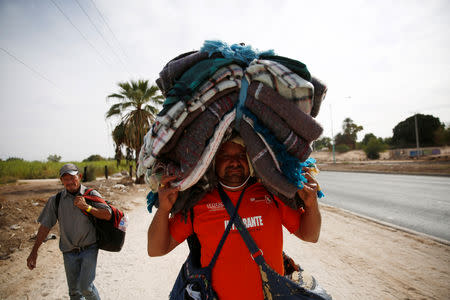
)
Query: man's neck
[
  {"x": 75, "y": 192},
  {"x": 234, "y": 188}
]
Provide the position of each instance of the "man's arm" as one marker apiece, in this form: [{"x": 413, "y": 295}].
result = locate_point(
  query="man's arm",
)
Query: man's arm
[
  {"x": 99, "y": 213},
  {"x": 311, "y": 219},
  {"x": 159, "y": 240},
  {"x": 41, "y": 235}
]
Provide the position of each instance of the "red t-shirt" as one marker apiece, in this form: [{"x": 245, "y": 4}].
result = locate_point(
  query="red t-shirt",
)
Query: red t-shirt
[{"x": 235, "y": 274}]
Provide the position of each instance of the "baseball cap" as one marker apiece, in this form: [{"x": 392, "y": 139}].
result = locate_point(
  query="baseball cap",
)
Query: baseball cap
[
  {"x": 237, "y": 140},
  {"x": 68, "y": 169}
]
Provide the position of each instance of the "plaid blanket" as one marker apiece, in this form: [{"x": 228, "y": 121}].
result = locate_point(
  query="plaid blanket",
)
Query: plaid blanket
[
  {"x": 188, "y": 151},
  {"x": 287, "y": 83},
  {"x": 192, "y": 79},
  {"x": 153, "y": 175},
  {"x": 295, "y": 66},
  {"x": 265, "y": 164},
  {"x": 227, "y": 78},
  {"x": 320, "y": 91},
  {"x": 176, "y": 67},
  {"x": 230, "y": 72},
  {"x": 168, "y": 147},
  {"x": 277, "y": 108},
  {"x": 295, "y": 145},
  {"x": 301, "y": 123},
  {"x": 163, "y": 131},
  {"x": 191, "y": 144},
  {"x": 208, "y": 153}
]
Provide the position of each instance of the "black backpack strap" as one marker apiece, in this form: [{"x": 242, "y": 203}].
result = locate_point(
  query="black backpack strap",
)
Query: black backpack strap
[
  {"x": 255, "y": 252},
  {"x": 192, "y": 216},
  {"x": 273, "y": 198},
  {"x": 193, "y": 242},
  {"x": 233, "y": 215},
  {"x": 57, "y": 200}
]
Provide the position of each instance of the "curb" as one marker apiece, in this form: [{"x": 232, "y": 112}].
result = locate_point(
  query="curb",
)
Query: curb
[
  {"x": 387, "y": 173},
  {"x": 397, "y": 227}
]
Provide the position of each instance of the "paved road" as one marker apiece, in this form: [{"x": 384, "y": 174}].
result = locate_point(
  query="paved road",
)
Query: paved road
[{"x": 420, "y": 203}]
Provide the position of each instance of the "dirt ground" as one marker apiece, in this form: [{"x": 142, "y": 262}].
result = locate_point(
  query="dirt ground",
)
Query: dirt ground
[
  {"x": 21, "y": 203},
  {"x": 354, "y": 259}
]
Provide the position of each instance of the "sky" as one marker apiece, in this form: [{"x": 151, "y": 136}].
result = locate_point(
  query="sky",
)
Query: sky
[{"x": 383, "y": 61}]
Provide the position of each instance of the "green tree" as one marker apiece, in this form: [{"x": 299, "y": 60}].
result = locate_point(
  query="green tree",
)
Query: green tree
[
  {"x": 324, "y": 142},
  {"x": 405, "y": 131},
  {"x": 14, "y": 159},
  {"x": 388, "y": 142},
  {"x": 441, "y": 136},
  {"x": 94, "y": 157},
  {"x": 342, "y": 148},
  {"x": 136, "y": 110},
  {"x": 118, "y": 136},
  {"x": 374, "y": 147},
  {"x": 367, "y": 138},
  {"x": 349, "y": 135},
  {"x": 53, "y": 158},
  {"x": 341, "y": 139}
]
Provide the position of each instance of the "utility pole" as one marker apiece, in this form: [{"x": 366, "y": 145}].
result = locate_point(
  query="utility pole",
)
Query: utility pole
[
  {"x": 332, "y": 135},
  {"x": 417, "y": 135}
]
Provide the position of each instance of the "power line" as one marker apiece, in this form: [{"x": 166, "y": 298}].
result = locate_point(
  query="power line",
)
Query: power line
[
  {"x": 31, "y": 69},
  {"x": 104, "y": 20},
  {"x": 98, "y": 31},
  {"x": 79, "y": 31}
]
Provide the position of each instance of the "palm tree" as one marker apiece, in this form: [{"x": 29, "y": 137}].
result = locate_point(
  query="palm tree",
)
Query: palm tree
[
  {"x": 136, "y": 111},
  {"x": 118, "y": 136}
]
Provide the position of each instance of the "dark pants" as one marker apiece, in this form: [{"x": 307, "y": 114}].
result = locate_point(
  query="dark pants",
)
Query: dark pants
[{"x": 80, "y": 272}]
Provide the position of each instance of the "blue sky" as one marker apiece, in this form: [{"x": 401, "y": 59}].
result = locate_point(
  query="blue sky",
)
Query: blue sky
[{"x": 383, "y": 61}]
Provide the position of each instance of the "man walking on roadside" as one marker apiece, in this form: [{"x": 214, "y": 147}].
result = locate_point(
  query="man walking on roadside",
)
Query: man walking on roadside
[
  {"x": 235, "y": 275},
  {"x": 77, "y": 233}
]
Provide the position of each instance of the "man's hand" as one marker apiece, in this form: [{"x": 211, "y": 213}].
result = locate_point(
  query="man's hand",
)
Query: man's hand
[
  {"x": 80, "y": 202},
  {"x": 31, "y": 260},
  {"x": 309, "y": 191},
  {"x": 40, "y": 237},
  {"x": 167, "y": 195},
  {"x": 310, "y": 220},
  {"x": 159, "y": 240},
  {"x": 100, "y": 213}
]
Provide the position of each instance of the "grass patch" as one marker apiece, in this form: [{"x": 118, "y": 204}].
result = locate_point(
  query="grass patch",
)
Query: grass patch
[{"x": 10, "y": 171}]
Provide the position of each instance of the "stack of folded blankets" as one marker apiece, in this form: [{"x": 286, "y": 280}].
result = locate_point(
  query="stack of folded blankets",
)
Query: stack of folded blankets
[{"x": 270, "y": 100}]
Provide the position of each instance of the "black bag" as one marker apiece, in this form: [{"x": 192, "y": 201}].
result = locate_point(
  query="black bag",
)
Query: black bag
[
  {"x": 109, "y": 236},
  {"x": 274, "y": 285},
  {"x": 194, "y": 282}
]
